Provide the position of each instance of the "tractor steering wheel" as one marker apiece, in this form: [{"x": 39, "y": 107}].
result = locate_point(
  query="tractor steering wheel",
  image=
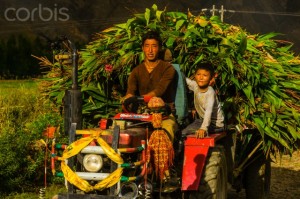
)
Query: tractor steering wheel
[{"x": 131, "y": 104}]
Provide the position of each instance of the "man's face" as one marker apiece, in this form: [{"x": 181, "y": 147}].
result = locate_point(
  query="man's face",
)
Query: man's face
[
  {"x": 151, "y": 49},
  {"x": 203, "y": 78}
]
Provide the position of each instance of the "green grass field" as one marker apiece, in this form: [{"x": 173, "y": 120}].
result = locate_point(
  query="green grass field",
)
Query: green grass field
[
  {"x": 16, "y": 94},
  {"x": 9, "y": 86},
  {"x": 20, "y": 105}
]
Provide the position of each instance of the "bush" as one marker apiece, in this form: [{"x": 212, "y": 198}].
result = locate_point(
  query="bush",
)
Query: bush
[{"x": 24, "y": 118}]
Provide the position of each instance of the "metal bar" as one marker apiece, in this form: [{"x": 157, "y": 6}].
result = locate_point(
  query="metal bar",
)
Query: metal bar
[
  {"x": 71, "y": 160},
  {"x": 238, "y": 170},
  {"x": 92, "y": 176},
  {"x": 115, "y": 145},
  {"x": 93, "y": 149}
]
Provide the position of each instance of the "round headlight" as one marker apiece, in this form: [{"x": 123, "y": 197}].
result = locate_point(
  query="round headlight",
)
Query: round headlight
[{"x": 92, "y": 162}]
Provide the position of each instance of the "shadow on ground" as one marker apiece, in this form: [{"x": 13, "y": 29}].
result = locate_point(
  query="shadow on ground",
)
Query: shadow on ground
[{"x": 285, "y": 179}]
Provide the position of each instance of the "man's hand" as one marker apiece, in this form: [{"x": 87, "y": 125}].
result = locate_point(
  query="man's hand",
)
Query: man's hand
[
  {"x": 131, "y": 104},
  {"x": 200, "y": 133},
  {"x": 126, "y": 97}
]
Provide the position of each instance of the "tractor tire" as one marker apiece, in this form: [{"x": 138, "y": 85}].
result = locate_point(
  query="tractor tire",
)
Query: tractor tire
[
  {"x": 213, "y": 183},
  {"x": 258, "y": 178}
]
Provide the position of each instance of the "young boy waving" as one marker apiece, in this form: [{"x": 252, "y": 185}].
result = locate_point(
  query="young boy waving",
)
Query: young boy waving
[{"x": 207, "y": 105}]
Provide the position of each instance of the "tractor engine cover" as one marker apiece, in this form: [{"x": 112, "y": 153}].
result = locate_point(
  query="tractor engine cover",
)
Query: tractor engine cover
[{"x": 128, "y": 137}]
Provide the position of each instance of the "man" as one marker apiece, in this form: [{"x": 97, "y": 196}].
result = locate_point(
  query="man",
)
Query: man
[{"x": 154, "y": 78}]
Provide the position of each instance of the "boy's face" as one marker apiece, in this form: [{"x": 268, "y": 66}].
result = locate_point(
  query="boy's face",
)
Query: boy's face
[
  {"x": 203, "y": 78},
  {"x": 151, "y": 49}
]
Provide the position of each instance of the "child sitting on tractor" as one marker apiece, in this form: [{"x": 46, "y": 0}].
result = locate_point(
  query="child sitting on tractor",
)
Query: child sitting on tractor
[{"x": 207, "y": 105}]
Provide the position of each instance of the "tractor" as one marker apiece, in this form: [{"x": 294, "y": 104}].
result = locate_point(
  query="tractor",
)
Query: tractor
[{"x": 113, "y": 160}]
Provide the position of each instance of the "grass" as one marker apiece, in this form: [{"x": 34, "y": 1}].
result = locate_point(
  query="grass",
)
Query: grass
[
  {"x": 20, "y": 105},
  {"x": 17, "y": 100},
  {"x": 51, "y": 191},
  {"x": 9, "y": 86}
]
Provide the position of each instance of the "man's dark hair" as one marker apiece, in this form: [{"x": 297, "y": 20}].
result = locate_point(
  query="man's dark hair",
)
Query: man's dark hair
[
  {"x": 152, "y": 35},
  {"x": 206, "y": 66}
]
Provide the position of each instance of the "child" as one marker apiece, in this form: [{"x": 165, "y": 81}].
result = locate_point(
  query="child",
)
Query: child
[{"x": 206, "y": 103}]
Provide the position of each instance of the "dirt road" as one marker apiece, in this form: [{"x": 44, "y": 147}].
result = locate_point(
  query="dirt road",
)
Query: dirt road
[{"x": 285, "y": 179}]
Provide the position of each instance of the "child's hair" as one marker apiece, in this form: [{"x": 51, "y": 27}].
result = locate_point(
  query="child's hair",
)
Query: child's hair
[
  {"x": 152, "y": 35},
  {"x": 206, "y": 66}
]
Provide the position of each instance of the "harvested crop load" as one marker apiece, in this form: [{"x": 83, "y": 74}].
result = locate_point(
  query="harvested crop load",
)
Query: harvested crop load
[{"x": 258, "y": 76}]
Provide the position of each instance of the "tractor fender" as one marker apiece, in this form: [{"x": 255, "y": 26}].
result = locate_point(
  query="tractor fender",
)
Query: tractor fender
[{"x": 195, "y": 153}]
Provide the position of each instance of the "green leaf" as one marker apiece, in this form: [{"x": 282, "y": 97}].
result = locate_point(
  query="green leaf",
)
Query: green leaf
[
  {"x": 170, "y": 42},
  {"x": 289, "y": 85},
  {"x": 147, "y": 16},
  {"x": 198, "y": 59},
  {"x": 248, "y": 92},
  {"x": 293, "y": 132},
  {"x": 243, "y": 44},
  {"x": 60, "y": 97},
  {"x": 267, "y": 36},
  {"x": 122, "y": 25},
  {"x": 285, "y": 48},
  {"x": 192, "y": 29},
  {"x": 177, "y": 15},
  {"x": 154, "y": 7},
  {"x": 279, "y": 122},
  {"x": 276, "y": 89},
  {"x": 296, "y": 115},
  {"x": 158, "y": 15},
  {"x": 236, "y": 82},
  {"x": 265, "y": 129},
  {"x": 179, "y": 23},
  {"x": 152, "y": 26},
  {"x": 226, "y": 42},
  {"x": 121, "y": 52},
  {"x": 229, "y": 64},
  {"x": 252, "y": 49},
  {"x": 129, "y": 23}
]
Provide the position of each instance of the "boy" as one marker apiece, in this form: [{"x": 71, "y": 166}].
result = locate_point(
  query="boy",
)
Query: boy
[{"x": 211, "y": 117}]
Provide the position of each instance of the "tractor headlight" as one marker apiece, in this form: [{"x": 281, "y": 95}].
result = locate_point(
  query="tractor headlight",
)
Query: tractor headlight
[{"x": 92, "y": 162}]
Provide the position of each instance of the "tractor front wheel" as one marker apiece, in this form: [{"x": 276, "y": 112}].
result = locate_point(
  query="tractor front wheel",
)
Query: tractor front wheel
[{"x": 213, "y": 183}]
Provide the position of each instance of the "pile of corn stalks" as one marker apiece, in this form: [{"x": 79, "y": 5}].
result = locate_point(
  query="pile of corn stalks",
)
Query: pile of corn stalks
[{"x": 258, "y": 76}]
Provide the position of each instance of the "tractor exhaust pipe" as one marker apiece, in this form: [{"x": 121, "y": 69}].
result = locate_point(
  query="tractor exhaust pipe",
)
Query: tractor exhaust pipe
[
  {"x": 75, "y": 65},
  {"x": 73, "y": 96}
]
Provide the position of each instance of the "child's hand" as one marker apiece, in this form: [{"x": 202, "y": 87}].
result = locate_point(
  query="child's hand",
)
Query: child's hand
[{"x": 200, "y": 133}]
